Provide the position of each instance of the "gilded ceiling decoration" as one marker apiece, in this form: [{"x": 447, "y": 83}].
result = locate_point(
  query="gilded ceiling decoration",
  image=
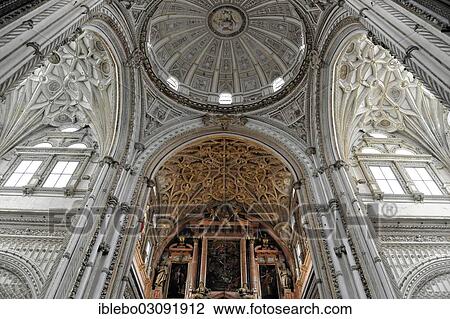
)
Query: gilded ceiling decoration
[
  {"x": 225, "y": 170},
  {"x": 212, "y": 47}
]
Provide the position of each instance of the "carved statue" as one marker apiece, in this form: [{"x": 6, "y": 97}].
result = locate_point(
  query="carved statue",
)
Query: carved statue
[
  {"x": 180, "y": 281},
  {"x": 161, "y": 277},
  {"x": 285, "y": 276}
]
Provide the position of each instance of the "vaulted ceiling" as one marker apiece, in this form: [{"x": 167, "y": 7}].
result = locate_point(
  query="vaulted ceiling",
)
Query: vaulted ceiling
[
  {"x": 75, "y": 86},
  {"x": 224, "y": 170},
  {"x": 239, "y": 47},
  {"x": 374, "y": 92}
]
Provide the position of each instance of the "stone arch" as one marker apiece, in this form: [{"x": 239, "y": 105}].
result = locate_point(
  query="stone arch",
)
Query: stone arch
[
  {"x": 419, "y": 281},
  {"x": 75, "y": 86},
  {"x": 323, "y": 102},
  {"x": 19, "y": 274},
  {"x": 336, "y": 145},
  {"x": 288, "y": 147},
  {"x": 119, "y": 42},
  {"x": 371, "y": 90},
  {"x": 292, "y": 152},
  {"x": 374, "y": 277},
  {"x": 86, "y": 90}
]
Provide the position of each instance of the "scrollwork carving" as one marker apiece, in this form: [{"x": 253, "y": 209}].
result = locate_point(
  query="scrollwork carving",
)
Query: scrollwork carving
[{"x": 224, "y": 170}]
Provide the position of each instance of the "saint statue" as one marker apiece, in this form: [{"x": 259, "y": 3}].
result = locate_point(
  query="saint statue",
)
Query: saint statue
[
  {"x": 285, "y": 276},
  {"x": 161, "y": 276}
]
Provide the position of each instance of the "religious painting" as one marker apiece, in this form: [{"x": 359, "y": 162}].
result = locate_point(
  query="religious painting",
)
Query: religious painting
[
  {"x": 223, "y": 265},
  {"x": 177, "y": 282},
  {"x": 269, "y": 282}
]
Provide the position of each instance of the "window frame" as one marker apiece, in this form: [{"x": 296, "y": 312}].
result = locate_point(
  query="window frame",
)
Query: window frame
[
  {"x": 226, "y": 98},
  {"x": 435, "y": 178},
  {"x": 398, "y": 164},
  {"x": 74, "y": 178},
  {"x": 49, "y": 158},
  {"x": 397, "y": 175},
  {"x": 52, "y": 167},
  {"x": 373, "y": 181},
  {"x": 12, "y": 169}
]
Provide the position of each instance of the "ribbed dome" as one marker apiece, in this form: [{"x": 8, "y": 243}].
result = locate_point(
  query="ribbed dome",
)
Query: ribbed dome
[{"x": 238, "y": 47}]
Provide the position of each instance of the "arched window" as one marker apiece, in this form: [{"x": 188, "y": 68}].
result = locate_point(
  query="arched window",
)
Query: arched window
[
  {"x": 173, "y": 83},
  {"x": 54, "y": 164},
  {"x": 225, "y": 98},
  {"x": 48, "y": 167},
  {"x": 370, "y": 150},
  {"x": 403, "y": 151},
  {"x": 71, "y": 129},
  {"x": 277, "y": 84},
  {"x": 43, "y": 145},
  {"x": 377, "y": 135},
  {"x": 78, "y": 145}
]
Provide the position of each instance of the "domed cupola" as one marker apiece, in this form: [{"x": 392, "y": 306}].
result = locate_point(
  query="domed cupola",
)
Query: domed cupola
[{"x": 230, "y": 56}]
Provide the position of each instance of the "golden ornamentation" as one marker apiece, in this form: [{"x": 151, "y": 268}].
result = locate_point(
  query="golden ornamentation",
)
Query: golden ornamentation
[{"x": 224, "y": 170}]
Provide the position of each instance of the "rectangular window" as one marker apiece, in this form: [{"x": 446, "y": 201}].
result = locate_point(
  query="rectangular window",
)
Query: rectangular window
[
  {"x": 61, "y": 174},
  {"x": 386, "y": 180},
  {"x": 423, "y": 181},
  {"x": 23, "y": 174}
]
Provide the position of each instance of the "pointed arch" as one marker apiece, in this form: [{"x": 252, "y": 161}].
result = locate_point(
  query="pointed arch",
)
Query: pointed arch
[{"x": 373, "y": 91}]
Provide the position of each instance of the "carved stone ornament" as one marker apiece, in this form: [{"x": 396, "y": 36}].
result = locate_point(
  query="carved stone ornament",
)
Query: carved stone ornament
[{"x": 224, "y": 121}]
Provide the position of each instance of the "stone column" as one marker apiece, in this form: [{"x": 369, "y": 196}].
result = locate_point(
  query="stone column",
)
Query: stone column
[
  {"x": 60, "y": 287},
  {"x": 244, "y": 263},
  {"x": 98, "y": 247},
  {"x": 132, "y": 237},
  {"x": 203, "y": 260},
  {"x": 364, "y": 243},
  {"x": 104, "y": 262},
  {"x": 194, "y": 264},
  {"x": 253, "y": 269}
]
